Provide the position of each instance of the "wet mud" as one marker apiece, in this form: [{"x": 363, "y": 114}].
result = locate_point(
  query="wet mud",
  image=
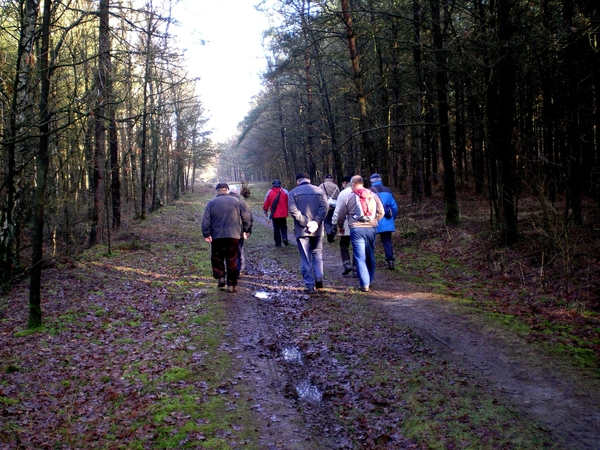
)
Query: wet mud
[{"x": 295, "y": 412}]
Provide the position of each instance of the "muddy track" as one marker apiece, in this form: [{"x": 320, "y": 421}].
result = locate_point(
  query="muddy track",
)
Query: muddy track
[
  {"x": 563, "y": 401},
  {"x": 560, "y": 399}
]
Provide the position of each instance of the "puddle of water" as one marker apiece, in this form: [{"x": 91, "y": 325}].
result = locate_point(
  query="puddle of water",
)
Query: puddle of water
[
  {"x": 308, "y": 392},
  {"x": 292, "y": 354},
  {"x": 261, "y": 294}
]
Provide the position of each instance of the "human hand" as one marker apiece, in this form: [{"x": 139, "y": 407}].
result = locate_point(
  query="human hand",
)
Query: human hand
[
  {"x": 341, "y": 231},
  {"x": 312, "y": 226},
  {"x": 208, "y": 239},
  {"x": 246, "y": 235}
]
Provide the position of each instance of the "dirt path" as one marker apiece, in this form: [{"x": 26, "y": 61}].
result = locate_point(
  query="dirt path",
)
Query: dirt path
[
  {"x": 129, "y": 338},
  {"x": 562, "y": 400},
  {"x": 565, "y": 403}
]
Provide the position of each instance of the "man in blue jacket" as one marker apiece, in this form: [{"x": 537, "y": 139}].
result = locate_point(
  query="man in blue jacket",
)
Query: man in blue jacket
[
  {"x": 307, "y": 204},
  {"x": 386, "y": 225},
  {"x": 225, "y": 220}
]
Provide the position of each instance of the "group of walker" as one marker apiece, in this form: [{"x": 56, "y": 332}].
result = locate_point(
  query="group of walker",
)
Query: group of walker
[{"x": 356, "y": 214}]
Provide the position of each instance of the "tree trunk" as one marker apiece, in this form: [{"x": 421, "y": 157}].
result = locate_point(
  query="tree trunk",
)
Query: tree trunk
[
  {"x": 573, "y": 150},
  {"x": 418, "y": 181},
  {"x": 99, "y": 122},
  {"x": 113, "y": 140},
  {"x": 146, "y": 81},
  {"x": 43, "y": 162},
  {"x": 369, "y": 164},
  {"x": 504, "y": 145},
  {"x": 452, "y": 211},
  {"x": 21, "y": 117}
]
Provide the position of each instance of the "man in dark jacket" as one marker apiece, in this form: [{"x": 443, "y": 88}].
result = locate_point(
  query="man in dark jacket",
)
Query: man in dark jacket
[
  {"x": 277, "y": 201},
  {"x": 225, "y": 220},
  {"x": 307, "y": 204}
]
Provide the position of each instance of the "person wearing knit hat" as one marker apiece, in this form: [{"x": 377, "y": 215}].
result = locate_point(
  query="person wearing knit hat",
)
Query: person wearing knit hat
[
  {"x": 386, "y": 225},
  {"x": 275, "y": 208},
  {"x": 307, "y": 204},
  {"x": 225, "y": 220}
]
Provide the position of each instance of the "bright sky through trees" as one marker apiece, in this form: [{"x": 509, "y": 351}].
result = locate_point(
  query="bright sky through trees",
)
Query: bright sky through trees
[{"x": 222, "y": 39}]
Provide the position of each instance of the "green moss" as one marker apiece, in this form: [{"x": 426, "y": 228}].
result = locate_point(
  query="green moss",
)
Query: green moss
[
  {"x": 176, "y": 374},
  {"x": 8, "y": 401}
]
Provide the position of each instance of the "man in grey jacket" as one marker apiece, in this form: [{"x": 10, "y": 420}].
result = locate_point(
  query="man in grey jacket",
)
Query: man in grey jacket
[
  {"x": 362, "y": 222},
  {"x": 307, "y": 204},
  {"x": 225, "y": 220}
]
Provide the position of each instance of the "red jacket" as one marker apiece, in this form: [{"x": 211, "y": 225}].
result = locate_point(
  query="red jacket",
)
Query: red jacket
[{"x": 282, "y": 205}]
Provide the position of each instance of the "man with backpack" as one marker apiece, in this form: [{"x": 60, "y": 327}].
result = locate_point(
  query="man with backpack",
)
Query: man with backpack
[
  {"x": 277, "y": 202},
  {"x": 363, "y": 210},
  {"x": 386, "y": 225}
]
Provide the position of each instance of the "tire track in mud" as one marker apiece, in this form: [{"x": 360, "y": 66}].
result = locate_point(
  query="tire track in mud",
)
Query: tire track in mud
[{"x": 562, "y": 400}]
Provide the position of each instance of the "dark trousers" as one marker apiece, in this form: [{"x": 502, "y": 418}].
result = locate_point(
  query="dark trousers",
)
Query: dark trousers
[
  {"x": 388, "y": 248},
  {"x": 241, "y": 261},
  {"x": 345, "y": 250},
  {"x": 329, "y": 227},
  {"x": 280, "y": 230},
  {"x": 224, "y": 253}
]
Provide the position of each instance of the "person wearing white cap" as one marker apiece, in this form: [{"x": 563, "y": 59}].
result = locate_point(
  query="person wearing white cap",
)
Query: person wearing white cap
[
  {"x": 332, "y": 191},
  {"x": 233, "y": 190}
]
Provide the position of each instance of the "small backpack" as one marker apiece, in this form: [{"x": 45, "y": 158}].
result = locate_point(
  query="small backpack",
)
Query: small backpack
[{"x": 366, "y": 207}]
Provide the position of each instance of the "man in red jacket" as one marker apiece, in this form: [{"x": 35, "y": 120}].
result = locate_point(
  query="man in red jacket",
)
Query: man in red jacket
[{"x": 276, "y": 209}]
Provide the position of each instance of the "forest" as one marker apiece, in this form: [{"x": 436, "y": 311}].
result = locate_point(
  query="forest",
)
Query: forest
[{"x": 498, "y": 98}]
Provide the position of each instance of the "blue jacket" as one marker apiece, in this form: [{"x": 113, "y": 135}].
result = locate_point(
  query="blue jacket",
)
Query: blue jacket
[
  {"x": 307, "y": 202},
  {"x": 387, "y": 198}
]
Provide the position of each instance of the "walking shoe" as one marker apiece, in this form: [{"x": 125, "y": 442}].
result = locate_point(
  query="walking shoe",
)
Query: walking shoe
[
  {"x": 390, "y": 265},
  {"x": 364, "y": 288},
  {"x": 231, "y": 288},
  {"x": 319, "y": 284},
  {"x": 221, "y": 282},
  {"x": 347, "y": 269},
  {"x": 286, "y": 243},
  {"x": 310, "y": 290}
]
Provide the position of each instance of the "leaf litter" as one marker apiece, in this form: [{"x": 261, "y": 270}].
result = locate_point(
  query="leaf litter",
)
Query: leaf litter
[{"x": 338, "y": 370}]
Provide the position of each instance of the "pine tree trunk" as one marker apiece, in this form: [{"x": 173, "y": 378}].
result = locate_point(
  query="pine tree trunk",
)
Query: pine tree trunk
[{"x": 43, "y": 163}]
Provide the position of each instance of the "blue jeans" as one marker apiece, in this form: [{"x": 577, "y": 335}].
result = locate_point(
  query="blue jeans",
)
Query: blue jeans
[
  {"x": 311, "y": 259},
  {"x": 363, "y": 249},
  {"x": 388, "y": 248}
]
